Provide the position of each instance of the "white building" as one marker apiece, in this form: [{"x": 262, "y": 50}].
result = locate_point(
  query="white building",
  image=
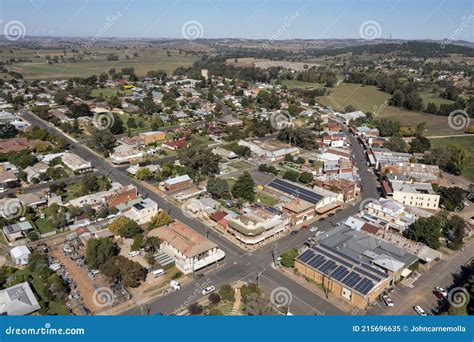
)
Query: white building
[
  {"x": 76, "y": 163},
  {"x": 20, "y": 254}
]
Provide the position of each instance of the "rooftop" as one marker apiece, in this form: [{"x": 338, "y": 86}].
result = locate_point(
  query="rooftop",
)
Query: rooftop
[{"x": 184, "y": 239}]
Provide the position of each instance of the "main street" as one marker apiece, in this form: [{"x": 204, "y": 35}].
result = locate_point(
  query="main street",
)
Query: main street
[{"x": 238, "y": 264}]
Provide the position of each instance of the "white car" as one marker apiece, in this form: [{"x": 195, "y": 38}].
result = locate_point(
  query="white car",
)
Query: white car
[
  {"x": 442, "y": 291},
  {"x": 208, "y": 290},
  {"x": 420, "y": 311},
  {"x": 313, "y": 229},
  {"x": 3, "y": 190},
  {"x": 388, "y": 301},
  {"x": 133, "y": 254}
]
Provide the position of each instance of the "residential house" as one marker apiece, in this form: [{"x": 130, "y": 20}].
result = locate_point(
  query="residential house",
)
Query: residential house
[
  {"x": 20, "y": 254},
  {"x": 17, "y": 231},
  {"x": 18, "y": 300}
]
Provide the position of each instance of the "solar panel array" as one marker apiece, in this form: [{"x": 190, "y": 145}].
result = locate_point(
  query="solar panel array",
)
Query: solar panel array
[
  {"x": 367, "y": 274},
  {"x": 353, "y": 274},
  {"x": 296, "y": 191}
]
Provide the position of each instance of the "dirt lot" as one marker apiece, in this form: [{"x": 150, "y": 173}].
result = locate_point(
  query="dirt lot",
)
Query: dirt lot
[{"x": 85, "y": 284}]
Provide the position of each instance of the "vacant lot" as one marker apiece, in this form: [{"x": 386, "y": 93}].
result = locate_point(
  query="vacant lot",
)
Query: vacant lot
[
  {"x": 467, "y": 142},
  {"x": 142, "y": 59},
  {"x": 370, "y": 99}
]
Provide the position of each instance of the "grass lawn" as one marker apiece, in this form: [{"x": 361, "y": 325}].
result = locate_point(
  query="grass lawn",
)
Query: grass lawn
[
  {"x": 370, "y": 99},
  {"x": 241, "y": 165},
  {"x": 300, "y": 84},
  {"x": 428, "y": 97},
  {"x": 44, "y": 226},
  {"x": 107, "y": 92},
  {"x": 143, "y": 125},
  {"x": 468, "y": 143},
  {"x": 266, "y": 199}
]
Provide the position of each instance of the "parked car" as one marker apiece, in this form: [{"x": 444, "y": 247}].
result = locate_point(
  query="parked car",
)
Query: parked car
[
  {"x": 175, "y": 285},
  {"x": 294, "y": 232},
  {"x": 3, "y": 189},
  {"x": 388, "y": 301},
  {"x": 441, "y": 291},
  {"x": 305, "y": 226},
  {"x": 313, "y": 229},
  {"x": 208, "y": 290},
  {"x": 132, "y": 254},
  {"x": 420, "y": 311}
]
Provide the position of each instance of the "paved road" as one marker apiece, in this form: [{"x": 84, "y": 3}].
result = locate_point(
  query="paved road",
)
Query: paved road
[{"x": 238, "y": 263}]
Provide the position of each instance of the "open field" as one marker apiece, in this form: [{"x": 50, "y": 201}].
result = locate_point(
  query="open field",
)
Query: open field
[
  {"x": 370, "y": 99},
  {"x": 467, "y": 142},
  {"x": 300, "y": 84},
  {"x": 146, "y": 59}
]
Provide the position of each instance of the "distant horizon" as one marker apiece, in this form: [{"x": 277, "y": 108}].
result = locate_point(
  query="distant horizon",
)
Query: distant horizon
[
  {"x": 249, "y": 39},
  {"x": 243, "y": 19}
]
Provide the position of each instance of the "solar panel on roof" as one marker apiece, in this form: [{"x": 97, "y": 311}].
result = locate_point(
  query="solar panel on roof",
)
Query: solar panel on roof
[
  {"x": 327, "y": 267},
  {"x": 339, "y": 273},
  {"x": 317, "y": 261},
  {"x": 296, "y": 191},
  {"x": 367, "y": 274},
  {"x": 364, "y": 286},
  {"x": 352, "y": 279},
  {"x": 306, "y": 256},
  {"x": 339, "y": 260},
  {"x": 372, "y": 269}
]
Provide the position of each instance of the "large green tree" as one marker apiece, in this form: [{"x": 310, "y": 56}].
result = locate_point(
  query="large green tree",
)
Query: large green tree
[{"x": 244, "y": 187}]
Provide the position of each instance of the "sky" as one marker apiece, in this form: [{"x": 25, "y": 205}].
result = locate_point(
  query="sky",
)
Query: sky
[{"x": 257, "y": 19}]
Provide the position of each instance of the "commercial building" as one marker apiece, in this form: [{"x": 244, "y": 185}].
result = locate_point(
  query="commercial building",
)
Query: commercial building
[
  {"x": 125, "y": 154},
  {"x": 176, "y": 183},
  {"x": 299, "y": 211},
  {"x": 191, "y": 250},
  {"x": 256, "y": 224},
  {"x": 353, "y": 265},
  {"x": 139, "y": 210},
  {"x": 322, "y": 200},
  {"x": 152, "y": 137},
  {"x": 419, "y": 195},
  {"x": 76, "y": 163}
]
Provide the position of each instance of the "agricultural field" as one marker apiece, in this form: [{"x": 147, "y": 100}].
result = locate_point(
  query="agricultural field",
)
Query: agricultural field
[
  {"x": 370, "y": 99},
  {"x": 468, "y": 143},
  {"x": 146, "y": 59}
]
